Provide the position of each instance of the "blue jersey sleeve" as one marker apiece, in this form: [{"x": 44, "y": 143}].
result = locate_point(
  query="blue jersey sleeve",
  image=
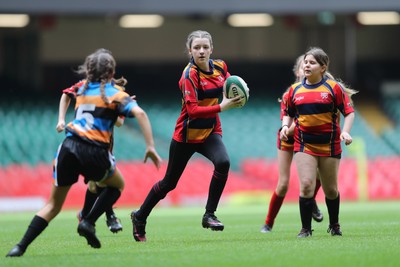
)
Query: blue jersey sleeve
[{"x": 125, "y": 107}]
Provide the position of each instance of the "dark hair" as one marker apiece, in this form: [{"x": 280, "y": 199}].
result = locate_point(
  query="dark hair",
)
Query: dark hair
[
  {"x": 322, "y": 58},
  {"x": 99, "y": 67}
]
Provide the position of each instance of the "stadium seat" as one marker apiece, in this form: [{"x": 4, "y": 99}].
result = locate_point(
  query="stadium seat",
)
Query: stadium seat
[{"x": 29, "y": 141}]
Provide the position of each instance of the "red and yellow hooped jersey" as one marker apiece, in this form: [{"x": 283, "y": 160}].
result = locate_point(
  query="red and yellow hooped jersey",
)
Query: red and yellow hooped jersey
[
  {"x": 315, "y": 109},
  {"x": 287, "y": 145},
  {"x": 200, "y": 95}
]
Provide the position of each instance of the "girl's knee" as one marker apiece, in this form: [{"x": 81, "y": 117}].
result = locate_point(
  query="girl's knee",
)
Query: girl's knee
[
  {"x": 307, "y": 189},
  {"x": 92, "y": 187},
  {"x": 281, "y": 190},
  {"x": 331, "y": 193},
  {"x": 222, "y": 166},
  {"x": 166, "y": 187}
]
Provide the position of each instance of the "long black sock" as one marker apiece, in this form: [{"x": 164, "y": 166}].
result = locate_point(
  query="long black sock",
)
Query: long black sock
[
  {"x": 37, "y": 225},
  {"x": 333, "y": 209},
  {"x": 109, "y": 211},
  {"x": 306, "y": 205},
  {"x": 149, "y": 203},
  {"x": 90, "y": 198},
  {"x": 217, "y": 185},
  {"x": 106, "y": 199}
]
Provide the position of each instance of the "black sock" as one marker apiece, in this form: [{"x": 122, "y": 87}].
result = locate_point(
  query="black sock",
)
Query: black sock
[
  {"x": 217, "y": 186},
  {"x": 149, "y": 203},
  {"x": 106, "y": 199},
  {"x": 109, "y": 211},
  {"x": 333, "y": 209},
  {"x": 37, "y": 225},
  {"x": 90, "y": 199},
  {"x": 306, "y": 205}
]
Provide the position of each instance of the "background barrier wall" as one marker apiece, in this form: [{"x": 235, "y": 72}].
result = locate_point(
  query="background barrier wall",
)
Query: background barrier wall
[{"x": 254, "y": 182}]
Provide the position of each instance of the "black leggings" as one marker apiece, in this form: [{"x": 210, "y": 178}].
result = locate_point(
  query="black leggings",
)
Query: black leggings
[{"x": 179, "y": 154}]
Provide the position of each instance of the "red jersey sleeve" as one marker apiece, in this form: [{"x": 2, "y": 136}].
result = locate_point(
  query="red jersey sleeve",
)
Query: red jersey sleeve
[
  {"x": 70, "y": 91},
  {"x": 189, "y": 88},
  {"x": 343, "y": 100},
  {"x": 191, "y": 101},
  {"x": 290, "y": 111},
  {"x": 283, "y": 104}
]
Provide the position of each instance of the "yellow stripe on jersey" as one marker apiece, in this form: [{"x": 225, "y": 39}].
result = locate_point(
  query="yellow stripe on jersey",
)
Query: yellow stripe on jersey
[
  {"x": 95, "y": 99},
  {"x": 208, "y": 102},
  {"x": 322, "y": 149},
  {"x": 96, "y": 135},
  {"x": 320, "y": 89},
  {"x": 198, "y": 134},
  {"x": 332, "y": 83},
  {"x": 315, "y": 119}
]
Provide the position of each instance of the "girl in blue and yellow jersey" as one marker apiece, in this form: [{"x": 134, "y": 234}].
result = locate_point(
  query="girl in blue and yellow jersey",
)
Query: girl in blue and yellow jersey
[
  {"x": 315, "y": 103},
  {"x": 198, "y": 129},
  {"x": 285, "y": 158},
  {"x": 86, "y": 149},
  {"x": 93, "y": 190}
]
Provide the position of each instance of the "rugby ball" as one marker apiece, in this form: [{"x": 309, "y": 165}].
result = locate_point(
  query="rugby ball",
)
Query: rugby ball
[{"x": 234, "y": 86}]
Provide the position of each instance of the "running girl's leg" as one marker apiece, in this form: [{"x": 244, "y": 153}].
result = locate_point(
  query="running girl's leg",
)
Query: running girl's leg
[
  {"x": 179, "y": 155},
  {"x": 41, "y": 220}
]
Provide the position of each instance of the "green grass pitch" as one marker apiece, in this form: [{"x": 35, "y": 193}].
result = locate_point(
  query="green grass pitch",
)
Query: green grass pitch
[{"x": 371, "y": 237}]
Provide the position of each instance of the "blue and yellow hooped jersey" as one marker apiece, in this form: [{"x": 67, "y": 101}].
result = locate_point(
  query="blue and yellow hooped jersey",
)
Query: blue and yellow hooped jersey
[{"x": 94, "y": 119}]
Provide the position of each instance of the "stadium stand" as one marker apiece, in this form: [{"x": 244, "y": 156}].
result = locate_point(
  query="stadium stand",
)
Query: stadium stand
[
  {"x": 378, "y": 119},
  {"x": 392, "y": 108},
  {"x": 29, "y": 140},
  {"x": 29, "y": 136}
]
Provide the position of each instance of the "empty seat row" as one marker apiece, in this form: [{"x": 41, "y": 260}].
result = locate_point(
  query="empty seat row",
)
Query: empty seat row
[{"x": 27, "y": 132}]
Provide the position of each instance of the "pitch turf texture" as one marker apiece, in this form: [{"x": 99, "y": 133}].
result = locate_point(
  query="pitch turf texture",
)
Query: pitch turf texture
[{"x": 371, "y": 237}]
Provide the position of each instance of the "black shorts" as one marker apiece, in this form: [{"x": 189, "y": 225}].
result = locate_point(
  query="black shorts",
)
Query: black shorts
[{"x": 75, "y": 157}]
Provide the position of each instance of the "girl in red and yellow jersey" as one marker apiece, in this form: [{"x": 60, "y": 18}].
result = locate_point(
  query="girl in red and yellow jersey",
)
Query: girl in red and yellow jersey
[
  {"x": 314, "y": 103},
  {"x": 198, "y": 129},
  {"x": 285, "y": 158},
  {"x": 86, "y": 149},
  {"x": 201, "y": 91}
]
